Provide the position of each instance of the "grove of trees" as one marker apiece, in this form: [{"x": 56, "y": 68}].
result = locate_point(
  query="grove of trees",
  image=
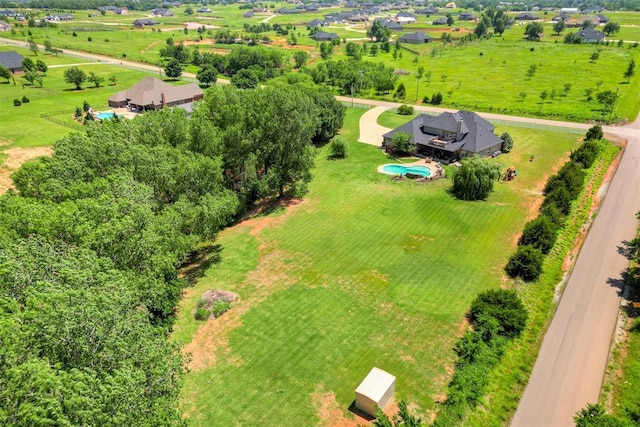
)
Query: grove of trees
[{"x": 91, "y": 242}]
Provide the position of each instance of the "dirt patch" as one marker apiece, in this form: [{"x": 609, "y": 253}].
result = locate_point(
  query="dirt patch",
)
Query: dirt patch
[
  {"x": 211, "y": 340},
  {"x": 332, "y": 415},
  {"x": 16, "y": 157}
]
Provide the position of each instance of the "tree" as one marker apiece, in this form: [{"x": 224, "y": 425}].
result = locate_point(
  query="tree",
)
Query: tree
[
  {"x": 5, "y": 73},
  {"x": 207, "y": 75},
  {"x": 378, "y": 32},
  {"x": 28, "y": 64},
  {"x": 587, "y": 24},
  {"x": 188, "y": 10},
  {"x": 539, "y": 233},
  {"x": 401, "y": 144},
  {"x": 338, "y": 148},
  {"x": 480, "y": 30},
  {"x": 48, "y": 46},
  {"x": 113, "y": 80},
  {"x": 75, "y": 76},
  {"x": 33, "y": 47},
  {"x": 608, "y": 99},
  {"x": 95, "y": 79},
  {"x": 533, "y": 31},
  {"x": 544, "y": 95},
  {"x": 593, "y": 415},
  {"x": 41, "y": 67},
  {"x": 401, "y": 92},
  {"x": 525, "y": 263},
  {"x": 245, "y": 79},
  {"x": 595, "y": 55},
  {"x": 300, "y": 58},
  {"x": 531, "y": 71},
  {"x": 173, "y": 70},
  {"x": 326, "y": 50},
  {"x": 594, "y": 133},
  {"x": 631, "y": 70},
  {"x": 475, "y": 178},
  {"x": 450, "y": 20},
  {"x": 503, "y": 305},
  {"x": 611, "y": 28},
  {"x": 558, "y": 27},
  {"x": 507, "y": 142}
]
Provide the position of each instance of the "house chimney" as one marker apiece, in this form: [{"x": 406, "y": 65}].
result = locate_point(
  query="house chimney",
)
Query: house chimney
[
  {"x": 459, "y": 130},
  {"x": 163, "y": 98}
]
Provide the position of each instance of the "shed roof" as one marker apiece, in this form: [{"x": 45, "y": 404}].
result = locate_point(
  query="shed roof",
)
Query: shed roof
[
  {"x": 11, "y": 59},
  {"x": 376, "y": 384}
]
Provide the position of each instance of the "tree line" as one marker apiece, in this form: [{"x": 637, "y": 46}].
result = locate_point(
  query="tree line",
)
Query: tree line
[{"x": 91, "y": 241}]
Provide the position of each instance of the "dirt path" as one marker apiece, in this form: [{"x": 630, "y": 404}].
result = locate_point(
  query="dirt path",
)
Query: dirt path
[
  {"x": 150, "y": 45},
  {"x": 16, "y": 157}
]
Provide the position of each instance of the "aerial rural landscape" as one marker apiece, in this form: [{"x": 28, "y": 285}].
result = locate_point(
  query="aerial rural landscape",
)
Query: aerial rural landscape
[{"x": 304, "y": 213}]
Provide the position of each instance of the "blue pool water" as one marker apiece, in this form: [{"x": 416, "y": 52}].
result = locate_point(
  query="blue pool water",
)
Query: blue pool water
[
  {"x": 401, "y": 170},
  {"x": 105, "y": 115}
]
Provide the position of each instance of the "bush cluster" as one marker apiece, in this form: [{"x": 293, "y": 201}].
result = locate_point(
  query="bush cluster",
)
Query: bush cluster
[
  {"x": 338, "y": 148},
  {"x": 539, "y": 235},
  {"x": 496, "y": 316},
  {"x": 17, "y": 102},
  {"x": 405, "y": 110}
]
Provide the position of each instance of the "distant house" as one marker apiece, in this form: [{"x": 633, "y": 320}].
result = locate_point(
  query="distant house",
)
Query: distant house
[
  {"x": 594, "y": 20},
  {"x": 287, "y": 11},
  {"x": 122, "y": 11},
  {"x": 12, "y": 60},
  {"x": 589, "y": 35},
  {"x": 450, "y": 136},
  {"x": 59, "y": 17},
  {"x": 249, "y": 14},
  {"x": 466, "y": 16},
  {"x": 8, "y": 13},
  {"x": 388, "y": 23},
  {"x": 316, "y": 23},
  {"x": 204, "y": 10},
  {"x": 603, "y": 19},
  {"x": 106, "y": 9},
  {"x": 416, "y": 38},
  {"x": 527, "y": 16},
  {"x": 406, "y": 17},
  {"x": 451, "y": 5},
  {"x": 322, "y": 36},
  {"x": 153, "y": 94},
  {"x": 440, "y": 21},
  {"x": 427, "y": 11},
  {"x": 144, "y": 22},
  {"x": 570, "y": 10},
  {"x": 5, "y": 26},
  {"x": 161, "y": 11},
  {"x": 563, "y": 16}
]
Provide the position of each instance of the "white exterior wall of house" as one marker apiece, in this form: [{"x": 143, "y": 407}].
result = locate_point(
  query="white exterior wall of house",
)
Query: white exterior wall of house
[{"x": 375, "y": 390}]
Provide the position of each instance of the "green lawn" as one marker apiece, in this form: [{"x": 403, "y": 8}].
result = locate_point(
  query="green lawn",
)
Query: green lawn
[
  {"x": 23, "y": 126},
  {"x": 365, "y": 272}
]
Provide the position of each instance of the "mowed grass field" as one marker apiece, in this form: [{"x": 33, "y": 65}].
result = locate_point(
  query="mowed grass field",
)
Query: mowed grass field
[
  {"x": 364, "y": 272},
  {"x": 23, "y": 126}
]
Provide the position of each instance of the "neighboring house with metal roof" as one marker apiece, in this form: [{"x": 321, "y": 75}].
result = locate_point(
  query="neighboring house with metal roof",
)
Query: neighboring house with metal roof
[
  {"x": 416, "y": 38},
  {"x": 161, "y": 11},
  {"x": 4, "y": 26},
  {"x": 388, "y": 23},
  {"x": 12, "y": 60},
  {"x": 153, "y": 94},
  {"x": 450, "y": 136},
  {"x": 527, "y": 16},
  {"x": 323, "y": 36},
  {"x": 440, "y": 21},
  {"x": 467, "y": 16}
]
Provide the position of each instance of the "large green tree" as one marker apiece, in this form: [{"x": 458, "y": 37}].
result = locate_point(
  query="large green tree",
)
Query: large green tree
[
  {"x": 75, "y": 76},
  {"x": 533, "y": 31},
  {"x": 173, "y": 70},
  {"x": 474, "y": 179}
]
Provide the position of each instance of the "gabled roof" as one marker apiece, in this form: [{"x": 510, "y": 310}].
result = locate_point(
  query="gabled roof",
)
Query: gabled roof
[
  {"x": 603, "y": 19},
  {"x": 323, "y": 35},
  {"x": 418, "y": 36},
  {"x": 440, "y": 21},
  {"x": 527, "y": 16},
  {"x": 590, "y": 34},
  {"x": 144, "y": 21},
  {"x": 149, "y": 91},
  {"x": 477, "y": 133},
  {"x": 12, "y": 60}
]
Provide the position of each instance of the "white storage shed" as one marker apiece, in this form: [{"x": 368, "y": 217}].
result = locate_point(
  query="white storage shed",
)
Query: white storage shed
[{"x": 375, "y": 390}]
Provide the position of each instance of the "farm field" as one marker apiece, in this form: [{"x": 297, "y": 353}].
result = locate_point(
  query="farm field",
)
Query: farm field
[{"x": 365, "y": 271}]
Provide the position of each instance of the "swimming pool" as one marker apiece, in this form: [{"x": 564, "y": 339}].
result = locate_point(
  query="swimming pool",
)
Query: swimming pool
[
  {"x": 402, "y": 170},
  {"x": 105, "y": 115}
]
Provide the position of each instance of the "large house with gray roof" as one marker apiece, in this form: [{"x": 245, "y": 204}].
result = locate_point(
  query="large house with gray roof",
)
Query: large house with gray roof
[
  {"x": 450, "y": 136},
  {"x": 12, "y": 60},
  {"x": 153, "y": 94}
]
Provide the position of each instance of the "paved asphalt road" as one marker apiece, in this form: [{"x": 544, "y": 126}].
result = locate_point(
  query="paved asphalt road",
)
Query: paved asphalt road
[{"x": 572, "y": 360}]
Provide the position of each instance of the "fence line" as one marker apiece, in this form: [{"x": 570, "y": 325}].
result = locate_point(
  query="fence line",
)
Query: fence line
[
  {"x": 356, "y": 105},
  {"x": 537, "y": 126},
  {"x": 74, "y": 126}
]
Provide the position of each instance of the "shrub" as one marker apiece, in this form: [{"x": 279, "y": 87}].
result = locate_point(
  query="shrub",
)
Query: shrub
[
  {"x": 405, "y": 110},
  {"x": 570, "y": 176},
  {"x": 502, "y": 305},
  {"x": 401, "y": 144},
  {"x": 594, "y": 132},
  {"x": 586, "y": 154},
  {"x": 436, "y": 99},
  {"x": 220, "y": 307},
  {"x": 474, "y": 179},
  {"x": 507, "y": 142},
  {"x": 525, "y": 263},
  {"x": 202, "y": 313},
  {"x": 25, "y": 100},
  {"x": 560, "y": 199},
  {"x": 338, "y": 149},
  {"x": 89, "y": 39},
  {"x": 539, "y": 233},
  {"x": 17, "y": 102}
]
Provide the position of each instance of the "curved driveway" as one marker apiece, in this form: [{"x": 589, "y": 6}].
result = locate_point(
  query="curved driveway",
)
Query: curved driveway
[{"x": 572, "y": 360}]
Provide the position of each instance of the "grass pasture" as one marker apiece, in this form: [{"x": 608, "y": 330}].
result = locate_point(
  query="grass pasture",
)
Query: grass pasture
[{"x": 366, "y": 271}]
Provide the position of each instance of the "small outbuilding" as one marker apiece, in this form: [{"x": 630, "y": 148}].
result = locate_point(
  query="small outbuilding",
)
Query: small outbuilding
[{"x": 376, "y": 390}]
